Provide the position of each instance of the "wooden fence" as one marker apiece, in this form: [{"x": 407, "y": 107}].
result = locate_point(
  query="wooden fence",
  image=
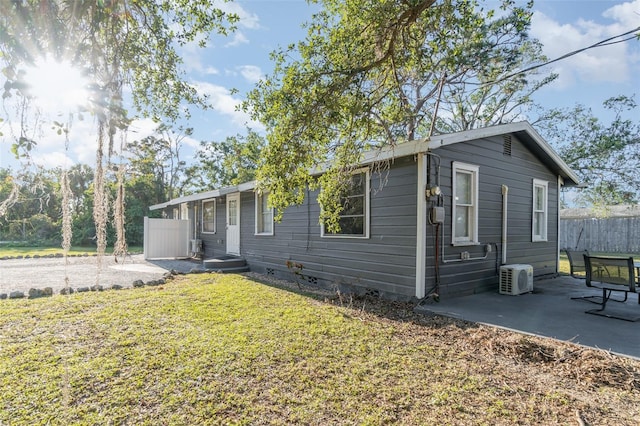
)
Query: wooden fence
[{"x": 609, "y": 235}]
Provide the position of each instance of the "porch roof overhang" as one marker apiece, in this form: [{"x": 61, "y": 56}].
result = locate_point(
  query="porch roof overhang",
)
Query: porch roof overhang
[{"x": 215, "y": 193}]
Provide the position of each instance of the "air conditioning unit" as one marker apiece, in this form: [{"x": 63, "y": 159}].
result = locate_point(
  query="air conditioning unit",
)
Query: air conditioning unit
[
  {"x": 196, "y": 246},
  {"x": 516, "y": 279}
]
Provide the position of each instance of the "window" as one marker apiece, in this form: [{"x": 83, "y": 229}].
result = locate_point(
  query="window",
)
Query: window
[
  {"x": 354, "y": 217},
  {"x": 209, "y": 216},
  {"x": 264, "y": 215},
  {"x": 465, "y": 204},
  {"x": 539, "y": 226}
]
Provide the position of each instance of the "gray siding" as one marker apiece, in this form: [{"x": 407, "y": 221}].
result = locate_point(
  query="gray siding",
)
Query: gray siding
[
  {"x": 214, "y": 243},
  {"x": 495, "y": 169},
  {"x": 385, "y": 262}
]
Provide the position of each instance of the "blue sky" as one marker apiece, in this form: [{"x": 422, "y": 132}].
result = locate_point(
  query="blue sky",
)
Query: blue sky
[{"x": 239, "y": 60}]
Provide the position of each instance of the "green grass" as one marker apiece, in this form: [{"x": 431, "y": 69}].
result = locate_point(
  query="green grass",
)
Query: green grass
[
  {"x": 223, "y": 349},
  {"x": 13, "y": 251}
]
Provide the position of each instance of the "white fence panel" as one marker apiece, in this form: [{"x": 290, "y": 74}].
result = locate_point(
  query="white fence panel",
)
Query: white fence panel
[{"x": 166, "y": 238}]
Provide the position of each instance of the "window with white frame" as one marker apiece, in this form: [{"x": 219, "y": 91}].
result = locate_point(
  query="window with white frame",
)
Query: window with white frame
[
  {"x": 264, "y": 215},
  {"x": 540, "y": 195},
  {"x": 209, "y": 216},
  {"x": 465, "y": 204},
  {"x": 354, "y": 217}
]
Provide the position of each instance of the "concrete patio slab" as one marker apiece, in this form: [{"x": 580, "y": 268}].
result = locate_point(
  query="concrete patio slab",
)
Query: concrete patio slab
[{"x": 550, "y": 312}]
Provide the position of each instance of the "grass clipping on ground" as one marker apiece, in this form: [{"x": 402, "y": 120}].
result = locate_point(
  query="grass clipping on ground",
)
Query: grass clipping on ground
[{"x": 225, "y": 349}]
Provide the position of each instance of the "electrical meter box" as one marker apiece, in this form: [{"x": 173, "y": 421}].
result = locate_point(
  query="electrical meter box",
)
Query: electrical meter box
[{"x": 437, "y": 214}]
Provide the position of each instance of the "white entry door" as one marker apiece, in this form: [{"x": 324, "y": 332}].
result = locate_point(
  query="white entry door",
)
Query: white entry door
[{"x": 233, "y": 223}]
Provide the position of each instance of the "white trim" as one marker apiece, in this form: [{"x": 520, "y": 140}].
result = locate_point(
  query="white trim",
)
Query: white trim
[
  {"x": 505, "y": 222},
  {"x": 367, "y": 209},
  {"x": 233, "y": 231},
  {"x": 559, "y": 184},
  {"x": 522, "y": 130},
  {"x": 438, "y": 141},
  {"x": 421, "y": 227},
  {"x": 259, "y": 215},
  {"x": 216, "y": 193},
  {"x": 474, "y": 171},
  {"x": 210, "y": 200},
  {"x": 539, "y": 183}
]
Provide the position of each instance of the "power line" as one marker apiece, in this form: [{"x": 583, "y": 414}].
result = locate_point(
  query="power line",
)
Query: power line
[{"x": 606, "y": 42}]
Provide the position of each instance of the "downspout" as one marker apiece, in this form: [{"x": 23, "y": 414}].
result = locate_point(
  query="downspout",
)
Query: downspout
[
  {"x": 560, "y": 182},
  {"x": 421, "y": 227},
  {"x": 505, "y": 196}
]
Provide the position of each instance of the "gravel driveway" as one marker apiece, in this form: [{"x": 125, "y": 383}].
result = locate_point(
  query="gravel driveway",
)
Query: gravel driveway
[{"x": 24, "y": 274}]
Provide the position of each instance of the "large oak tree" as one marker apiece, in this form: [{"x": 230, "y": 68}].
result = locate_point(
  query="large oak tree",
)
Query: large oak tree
[
  {"x": 604, "y": 151},
  {"x": 375, "y": 73}
]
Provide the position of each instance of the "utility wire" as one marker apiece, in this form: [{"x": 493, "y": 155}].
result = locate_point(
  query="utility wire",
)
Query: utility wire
[{"x": 606, "y": 42}]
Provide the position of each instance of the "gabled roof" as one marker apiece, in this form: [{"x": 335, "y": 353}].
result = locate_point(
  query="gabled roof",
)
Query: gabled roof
[{"x": 522, "y": 130}]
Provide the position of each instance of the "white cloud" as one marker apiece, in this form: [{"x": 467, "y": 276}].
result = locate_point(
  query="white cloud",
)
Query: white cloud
[
  {"x": 626, "y": 14},
  {"x": 238, "y": 39},
  {"x": 603, "y": 64},
  {"x": 225, "y": 104},
  {"x": 247, "y": 19},
  {"x": 251, "y": 73},
  {"x": 193, "y": 54},
  {"x": 53, "y": 160},
  {"x": 141, "y": 128}
]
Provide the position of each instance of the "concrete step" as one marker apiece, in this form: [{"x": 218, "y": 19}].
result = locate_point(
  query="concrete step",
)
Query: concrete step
[{"x": 231, "y": 264}]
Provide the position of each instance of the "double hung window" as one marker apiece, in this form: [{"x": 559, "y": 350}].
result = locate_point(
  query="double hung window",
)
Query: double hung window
[
  {"x": 264, "y": 215},
  {"x": 465, "y": 204},
  {"x": 209, "y": 216},
  {"x": 540, "y": 196},
  {"x": 354, "y": 217}
]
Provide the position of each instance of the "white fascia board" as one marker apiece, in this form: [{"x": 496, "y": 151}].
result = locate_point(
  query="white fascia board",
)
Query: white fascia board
[
  {"x": 247, "y": 186},
  {"x": 551, "y": 153},
  {"x": 197, "y": 197},
  {"x": 502, "y": 129},
  {"x": 474, "y": 134},
  {"x": 398, "y": 151},
  {"x": 158, "y": 206},
  {"x": 187, "y": 198},
  {"x": 405, "y": 149}
]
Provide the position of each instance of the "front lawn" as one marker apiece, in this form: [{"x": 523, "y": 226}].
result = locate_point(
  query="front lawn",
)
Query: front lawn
[
  {"x": 7, "y": 250},
  {"x": 224, "y": 349}
]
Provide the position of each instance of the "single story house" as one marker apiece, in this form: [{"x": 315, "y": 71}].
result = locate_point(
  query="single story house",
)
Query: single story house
[{"x": 442, "y": 219}]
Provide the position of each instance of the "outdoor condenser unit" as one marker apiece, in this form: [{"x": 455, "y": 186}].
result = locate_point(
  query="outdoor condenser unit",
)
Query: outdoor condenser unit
[
  {"x": 196, "y": 246},
  {"x": 516, "y": 279}
]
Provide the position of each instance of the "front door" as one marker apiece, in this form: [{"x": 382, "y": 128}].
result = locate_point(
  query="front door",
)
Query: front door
[{"x": 233, "y": 223}]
